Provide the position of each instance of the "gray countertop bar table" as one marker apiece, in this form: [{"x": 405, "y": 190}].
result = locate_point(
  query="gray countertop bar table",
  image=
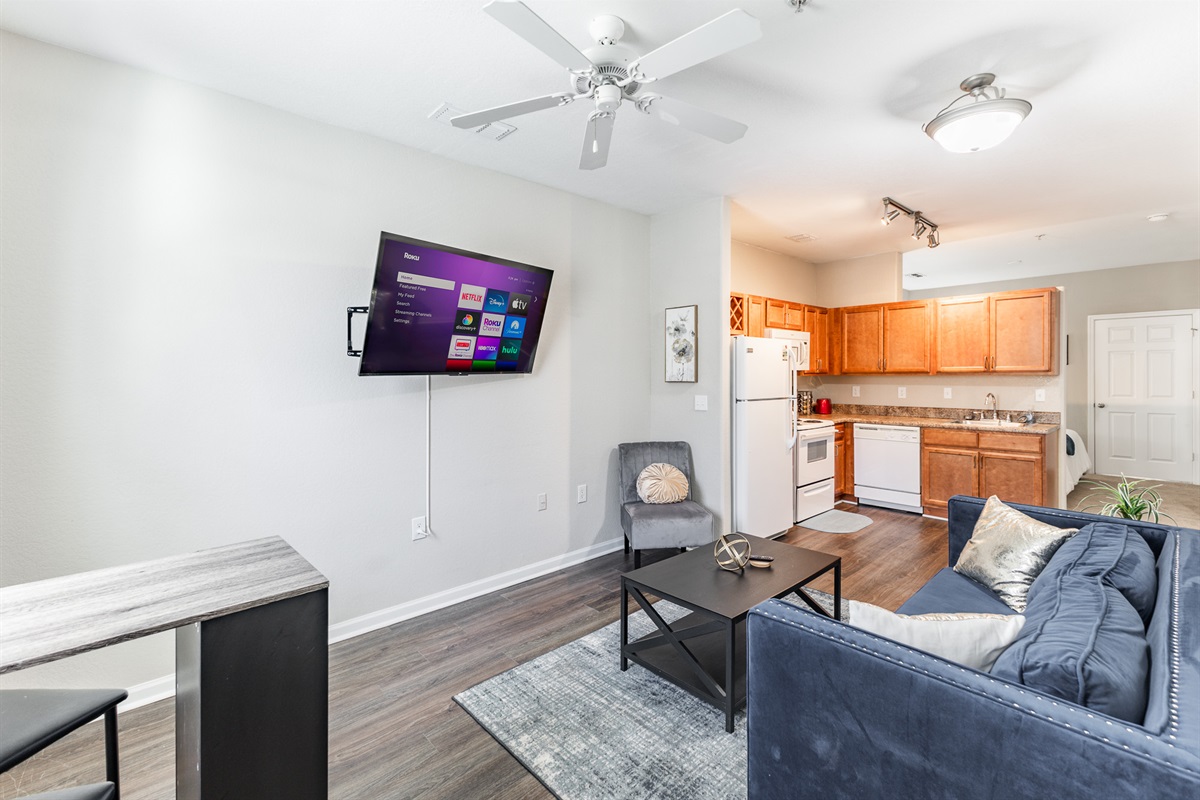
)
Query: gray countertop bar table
[{"x": 252, "y": 663}]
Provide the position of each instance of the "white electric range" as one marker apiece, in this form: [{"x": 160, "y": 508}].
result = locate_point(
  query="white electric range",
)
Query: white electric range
[{"x": 814, "y": 467}]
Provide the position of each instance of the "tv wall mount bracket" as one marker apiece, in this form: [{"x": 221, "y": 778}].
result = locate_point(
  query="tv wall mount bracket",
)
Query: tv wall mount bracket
[{"x": 350, "y": 312}]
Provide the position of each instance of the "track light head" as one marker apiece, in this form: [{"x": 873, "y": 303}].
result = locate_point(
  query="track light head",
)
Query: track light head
[
  {"x": 888, "y": 216},
  {"x": 919, "y": 229},
  {"x": 934, "y": 240}
]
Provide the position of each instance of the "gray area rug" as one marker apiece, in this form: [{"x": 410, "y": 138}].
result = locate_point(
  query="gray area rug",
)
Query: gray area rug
[
  {"x": 836, "y": 522},
  {"x": 588, "y": 731}
]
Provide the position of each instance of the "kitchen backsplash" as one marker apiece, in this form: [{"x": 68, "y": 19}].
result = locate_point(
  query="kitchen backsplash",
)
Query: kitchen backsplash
[{"x": 1043, "y": 417}]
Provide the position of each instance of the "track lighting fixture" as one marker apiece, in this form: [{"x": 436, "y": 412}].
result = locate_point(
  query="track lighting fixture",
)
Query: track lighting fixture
[
  {"x": 921, "y": 224},
  {"x": 985, "y": 122}
]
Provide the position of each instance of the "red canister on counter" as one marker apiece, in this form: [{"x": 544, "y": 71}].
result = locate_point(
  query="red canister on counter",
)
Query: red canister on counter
[{"x": 822, "y": 406}]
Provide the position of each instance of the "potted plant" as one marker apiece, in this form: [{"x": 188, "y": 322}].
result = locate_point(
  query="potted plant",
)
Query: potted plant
[{"x": 1127, "y": 499}]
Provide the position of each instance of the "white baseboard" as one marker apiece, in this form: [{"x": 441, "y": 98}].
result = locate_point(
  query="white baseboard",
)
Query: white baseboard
[
  {"x": 149, "y": 692},
  {"x": 164, "y": 687}
]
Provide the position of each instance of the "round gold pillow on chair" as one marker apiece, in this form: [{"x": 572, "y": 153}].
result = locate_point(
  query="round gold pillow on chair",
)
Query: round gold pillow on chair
[{"x": 662, "y": 483}]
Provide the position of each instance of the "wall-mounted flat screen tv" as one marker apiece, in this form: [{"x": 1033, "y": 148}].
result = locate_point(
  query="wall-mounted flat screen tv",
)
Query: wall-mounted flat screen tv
[{"x": 438, "y": 310}]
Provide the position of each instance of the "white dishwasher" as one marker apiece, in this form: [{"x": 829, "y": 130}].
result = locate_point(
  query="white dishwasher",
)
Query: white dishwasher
[{"x": 887, "y": 466}]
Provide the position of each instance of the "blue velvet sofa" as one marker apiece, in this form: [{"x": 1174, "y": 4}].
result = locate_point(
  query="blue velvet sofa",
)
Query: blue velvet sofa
[{"x": 834, "y": 711}]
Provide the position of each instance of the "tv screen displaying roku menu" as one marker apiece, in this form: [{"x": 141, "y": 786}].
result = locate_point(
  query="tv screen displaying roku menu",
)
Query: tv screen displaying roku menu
[{"x": 437, "y": 310}]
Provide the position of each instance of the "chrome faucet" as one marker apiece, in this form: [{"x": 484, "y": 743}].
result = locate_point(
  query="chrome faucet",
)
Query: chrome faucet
[{"x": 991, "y": 400}]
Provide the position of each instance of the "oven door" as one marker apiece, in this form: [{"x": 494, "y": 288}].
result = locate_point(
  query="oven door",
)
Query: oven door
[{"x": 814, "y": 455}]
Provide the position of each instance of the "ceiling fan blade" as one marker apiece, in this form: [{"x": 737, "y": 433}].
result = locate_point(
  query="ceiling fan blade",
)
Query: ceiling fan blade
[
  {"x": 477, "y": 118},
  {"x": 596, "y": 140},
  {"x": 727, "y": 32},
  {"x": 519, "y": 19},
  {"x": 695, "y": 119}
]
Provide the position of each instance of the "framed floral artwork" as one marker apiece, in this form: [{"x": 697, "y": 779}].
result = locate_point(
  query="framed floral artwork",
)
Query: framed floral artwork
[{"x": 681, "y": 344}]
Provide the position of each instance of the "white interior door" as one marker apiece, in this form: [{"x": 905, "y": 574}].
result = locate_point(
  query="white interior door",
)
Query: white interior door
[{"x": 1144, "y": 405}]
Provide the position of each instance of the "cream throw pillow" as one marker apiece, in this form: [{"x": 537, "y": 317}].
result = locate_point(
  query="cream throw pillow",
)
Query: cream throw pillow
[
  {"x": 662, "y": 483},
  {"x": 973, "y": 640},
  {"x": 1007, "y": 550}
]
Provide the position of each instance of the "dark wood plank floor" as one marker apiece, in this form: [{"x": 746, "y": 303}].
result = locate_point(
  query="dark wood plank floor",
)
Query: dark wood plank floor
[{"x": 395, "y": 732}]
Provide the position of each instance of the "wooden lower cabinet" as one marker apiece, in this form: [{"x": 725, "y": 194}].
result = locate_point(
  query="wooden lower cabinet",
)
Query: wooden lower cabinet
[
  {"x": 1012, "y": 466},
  {"x": 843, "y": 461}
]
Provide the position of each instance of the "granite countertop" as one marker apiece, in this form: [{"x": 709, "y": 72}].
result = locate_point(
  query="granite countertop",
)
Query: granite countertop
[{"x": 1037, "y": 428}]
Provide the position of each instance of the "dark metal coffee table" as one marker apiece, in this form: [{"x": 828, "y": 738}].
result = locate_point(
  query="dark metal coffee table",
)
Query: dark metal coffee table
[{"x": 704, "y": 652}]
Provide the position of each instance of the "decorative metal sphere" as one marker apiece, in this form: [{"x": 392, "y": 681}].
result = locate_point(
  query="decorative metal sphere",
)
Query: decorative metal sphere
[{"x": 732, "y": 551}]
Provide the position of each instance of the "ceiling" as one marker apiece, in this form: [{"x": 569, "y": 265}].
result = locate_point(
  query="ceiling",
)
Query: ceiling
[{"x": 834, "y": 96}]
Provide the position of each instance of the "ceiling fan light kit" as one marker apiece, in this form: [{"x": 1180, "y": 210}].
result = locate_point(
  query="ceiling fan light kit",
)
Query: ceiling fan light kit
[
  {"x": 610, "y": 73},
  {"x": 985, "y": 120}
]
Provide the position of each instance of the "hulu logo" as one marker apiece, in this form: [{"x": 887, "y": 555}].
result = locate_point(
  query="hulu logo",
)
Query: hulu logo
[{"x": 510, "y": 349}]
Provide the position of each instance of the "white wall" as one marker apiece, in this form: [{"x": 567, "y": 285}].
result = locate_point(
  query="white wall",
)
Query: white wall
[
  {"x": 756, "y": 270},
  {"x": 690, "y": 251},
  {"x": 860, "y": 281},
  {"x": 176, "y": 267}
]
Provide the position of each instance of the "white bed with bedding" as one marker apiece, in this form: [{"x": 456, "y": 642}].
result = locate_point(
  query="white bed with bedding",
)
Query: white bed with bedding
[{"x": 1079, "y": 463}]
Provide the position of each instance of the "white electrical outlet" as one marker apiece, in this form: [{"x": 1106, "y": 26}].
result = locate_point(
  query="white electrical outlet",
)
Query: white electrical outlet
[
  {"x": 855, "y": 391},
  {"x": 947, "y": 393},
  {"x": 1039, "y": 395},
  {"x": 541, "y": 501},
  {"x": 902, "y": 392},
  {"x": 701, "y": 403},
  {"x": 419, "y": 529},
  {"x": 581, "y": 493}
]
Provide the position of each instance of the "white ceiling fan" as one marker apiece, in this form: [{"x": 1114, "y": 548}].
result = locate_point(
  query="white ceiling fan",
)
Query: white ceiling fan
[{"x": 609, "y": 73}]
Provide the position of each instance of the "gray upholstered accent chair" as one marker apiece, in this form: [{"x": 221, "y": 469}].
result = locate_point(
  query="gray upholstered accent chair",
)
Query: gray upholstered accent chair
[{"x": 649, "y": 526}]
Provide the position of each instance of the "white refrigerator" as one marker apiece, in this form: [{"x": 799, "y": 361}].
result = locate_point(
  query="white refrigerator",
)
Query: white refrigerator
[{"x": 764, "y": 418}]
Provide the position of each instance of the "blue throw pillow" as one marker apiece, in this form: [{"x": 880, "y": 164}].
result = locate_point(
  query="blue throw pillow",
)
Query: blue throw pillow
[
  {"x": 1114, "y": 553},
  {"x": 1084, "y": 643}
]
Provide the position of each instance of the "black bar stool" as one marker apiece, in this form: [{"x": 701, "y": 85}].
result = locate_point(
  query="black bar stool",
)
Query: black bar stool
[{"x": 33, "y": 719}]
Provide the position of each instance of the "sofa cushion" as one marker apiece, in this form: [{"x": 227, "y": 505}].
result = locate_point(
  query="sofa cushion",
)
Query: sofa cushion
[
  {"x": 1116, "y": 554},
  {"x": 1082, "y": 642},
  {"x": 949, "y": 591},
  {"x": 1008, "y": 550},
  {"x": 973, "y": 640}
]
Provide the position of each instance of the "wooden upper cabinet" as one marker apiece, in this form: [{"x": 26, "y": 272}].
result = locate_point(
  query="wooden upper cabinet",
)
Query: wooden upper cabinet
[
  {"x": 892, "y": 337},
  {"x": 862, "y": 339},
  {"x": 906, "y": 337},
  {"x": 1001, "y": 332},
  {"x": 756, "y": 316},
  {"x": 737, "y": 315},
  {"x": 776, "y": 313},
  {"x": 816, "y": 322},
  {"x": 794, "y": 317},
  {"x": 963, "y": 332},
  {"x": 747, "y": 315},
  {"x": 1024, "y": 330}
]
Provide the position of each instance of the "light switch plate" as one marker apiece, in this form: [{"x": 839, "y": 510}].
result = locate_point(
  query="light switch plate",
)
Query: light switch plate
[
  {"x": 1039, "y": 395},
  {"x": 702, "y": 402},
  {"x": 947, "y": 393}
]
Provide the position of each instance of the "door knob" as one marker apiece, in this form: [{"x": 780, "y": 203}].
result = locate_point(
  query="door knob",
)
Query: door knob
[{"x": 1099, "y": 405}]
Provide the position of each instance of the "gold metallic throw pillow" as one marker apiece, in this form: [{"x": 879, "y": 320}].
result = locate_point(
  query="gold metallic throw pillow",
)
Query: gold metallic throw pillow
[
  {"x": 1007, "y": 550},
  {"x": 662, "y": 483}
]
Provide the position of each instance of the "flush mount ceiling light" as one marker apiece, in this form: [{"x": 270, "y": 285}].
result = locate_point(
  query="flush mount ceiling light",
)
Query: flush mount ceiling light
[
  {"x": 986, "y": 120},
  {"x": 921, "y": 224}
]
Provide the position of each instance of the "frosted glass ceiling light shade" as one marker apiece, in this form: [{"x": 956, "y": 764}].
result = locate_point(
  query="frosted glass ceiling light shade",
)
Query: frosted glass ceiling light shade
[{"x": 986, "y": 120}]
